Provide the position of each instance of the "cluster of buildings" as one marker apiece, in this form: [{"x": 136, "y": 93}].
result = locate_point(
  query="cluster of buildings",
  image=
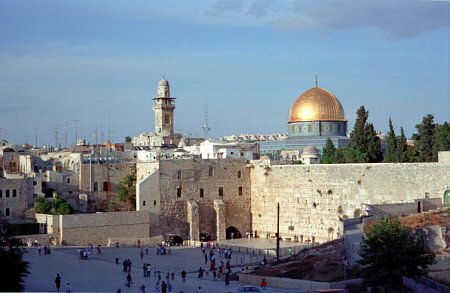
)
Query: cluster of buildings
[{"x": 193, "y": 186}]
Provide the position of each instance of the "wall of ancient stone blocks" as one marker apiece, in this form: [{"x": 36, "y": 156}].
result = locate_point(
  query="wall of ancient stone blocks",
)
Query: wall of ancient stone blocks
[
  {"x": 183, "y": 180},
  {"x": 313, "y": 198},
  {"x": 16, "y": 196}
]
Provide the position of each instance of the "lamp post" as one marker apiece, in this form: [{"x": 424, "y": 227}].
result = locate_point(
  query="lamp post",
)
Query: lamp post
[{"x": 278, "y": 232}]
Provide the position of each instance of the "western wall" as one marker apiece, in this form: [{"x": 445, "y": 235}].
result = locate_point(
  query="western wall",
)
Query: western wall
[{"x": 313, "y": 198}]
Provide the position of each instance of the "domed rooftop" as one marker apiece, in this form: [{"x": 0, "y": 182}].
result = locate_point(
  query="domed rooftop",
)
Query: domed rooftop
[
  {"x": 163, "y": 82},
  {"x": 316, "y": 104},
  {"x": 310, "y": 150}
]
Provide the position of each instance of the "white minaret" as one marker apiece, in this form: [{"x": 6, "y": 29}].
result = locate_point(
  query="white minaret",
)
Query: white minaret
[{"x": 163, "y": 108}]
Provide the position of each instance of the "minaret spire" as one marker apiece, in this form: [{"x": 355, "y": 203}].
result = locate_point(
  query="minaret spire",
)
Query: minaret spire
[{"x": 316, "y": 79}]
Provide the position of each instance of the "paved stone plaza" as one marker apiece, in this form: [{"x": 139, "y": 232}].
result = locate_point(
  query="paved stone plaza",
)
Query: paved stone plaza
[{"x": 101, "y": 274}]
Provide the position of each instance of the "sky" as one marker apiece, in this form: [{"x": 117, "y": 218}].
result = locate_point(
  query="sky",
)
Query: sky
[{"x": 99, "y": 62}]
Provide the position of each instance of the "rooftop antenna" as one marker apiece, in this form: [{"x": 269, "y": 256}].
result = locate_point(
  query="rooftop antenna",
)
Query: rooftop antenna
[
  {"x": 96, "y": 134},
  {"x": 110, "y": 134},
  {"x": 316, "y": 79},
  {"x": 56, "y": 132},
  {"x": 205, "y": 126},
  {"x": 76, "y": 130},
  {"x": 26, "y": 136},
  {"x": 65, "y": 133},
  {"x": 102, "y": 133},
  {"x": 35, "y": 136}
]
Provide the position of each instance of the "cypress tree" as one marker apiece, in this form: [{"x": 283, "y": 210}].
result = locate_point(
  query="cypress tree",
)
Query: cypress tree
[
  {"x": 358, "y": 137},
  {"x": 391, "y": 154},
  {"x": 374, "y": 151},
  {"x": 328, "y": 153},
  {"x": 425, "y": 138},
  {"x": 402, "y": 147}
]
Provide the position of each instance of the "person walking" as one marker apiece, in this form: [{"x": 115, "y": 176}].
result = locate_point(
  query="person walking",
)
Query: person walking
[
  {"x": 128, "y": 280},
  {"x": 58, "y": 282},
  {"x": 183, "y": 276},
  {"x": 263, "y": 283}
]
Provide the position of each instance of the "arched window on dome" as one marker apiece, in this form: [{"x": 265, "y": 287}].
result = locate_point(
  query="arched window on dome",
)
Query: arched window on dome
[
  {"x": 281, "y": 158},
  {"x": 288, "y": 157},
  {"x": 294, "y": 157}
]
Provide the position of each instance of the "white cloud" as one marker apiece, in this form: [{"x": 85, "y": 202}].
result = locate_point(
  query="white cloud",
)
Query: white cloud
[{"x": 392, "y": 19}]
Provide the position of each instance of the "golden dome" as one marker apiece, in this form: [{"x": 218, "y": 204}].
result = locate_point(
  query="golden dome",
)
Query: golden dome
[{"x": 316, "y": 104}]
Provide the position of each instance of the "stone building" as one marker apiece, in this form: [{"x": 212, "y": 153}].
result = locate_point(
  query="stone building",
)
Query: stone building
[{"x": 198, "y": 196}]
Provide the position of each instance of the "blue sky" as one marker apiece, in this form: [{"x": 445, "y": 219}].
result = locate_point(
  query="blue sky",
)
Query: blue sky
[{"x": 100, "y": 62}]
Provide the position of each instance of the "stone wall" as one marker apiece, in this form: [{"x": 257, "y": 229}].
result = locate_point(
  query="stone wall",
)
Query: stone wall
[
  {"x": 182, "y": 180},
  {"x": 105, "y": 179},
  {"x": 16, "y": 196},
  {"x": 314, "y": 198},
  {"x": 81, "y": 229}
]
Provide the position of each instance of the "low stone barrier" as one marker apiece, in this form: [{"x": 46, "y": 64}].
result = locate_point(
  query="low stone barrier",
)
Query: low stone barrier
[
  {"x": 287, "y": 283},
  {"x": 133, "y": 241}
]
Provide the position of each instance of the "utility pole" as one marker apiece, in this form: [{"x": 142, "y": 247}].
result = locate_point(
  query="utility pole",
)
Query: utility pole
[{"x": 278, "y": 232}]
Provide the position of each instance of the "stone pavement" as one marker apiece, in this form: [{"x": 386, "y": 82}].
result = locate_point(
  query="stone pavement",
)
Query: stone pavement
[{"x": 101, "y": 274}]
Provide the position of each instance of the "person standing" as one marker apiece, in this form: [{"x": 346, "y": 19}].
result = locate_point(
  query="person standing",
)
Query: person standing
[
  {"x": 172, "y": 273},
  {"x": 263, "y": 283},
  {"x": 142, "y": 289},
  {"x": 183, "y": 276},
  {"x": 58, "y": 282},
  {"x": 68, "y": 288},
  {"x": 227, "y": 279},
  {"x": 163, "y": 287}
]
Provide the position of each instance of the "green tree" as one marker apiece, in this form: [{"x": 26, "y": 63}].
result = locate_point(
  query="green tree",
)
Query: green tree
[
  {"x": 402, "y": 147},
  {"x": 391, "y": 154},
  {"x": 358, "y": 137},
  {"x": 13, "y": 268},
  {"x": 328, "y": 152},
  {"x": 127, "y": 190},
  {"x": 425, "y": 138},
  {"x": 57, "y": 206},
  {"x": 127, "y": 139},
  {"x": 374, "y": 151},
  {"x": 442, "y": 140},
  {"x": 390, "y": 252},
  {"x": 364, "y": 141}
]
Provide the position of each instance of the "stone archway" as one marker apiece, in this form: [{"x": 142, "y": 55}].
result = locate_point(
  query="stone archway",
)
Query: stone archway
[{"x": 235, "y": 231}]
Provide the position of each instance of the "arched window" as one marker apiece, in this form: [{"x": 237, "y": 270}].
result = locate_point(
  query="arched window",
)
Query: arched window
[
  {"x": 239, "y": 174},
  {"x": 7, "y": 212},
  {"x": 294, "y": 157},
  {"x": 210, "y": 171},
  {"x": 14, "y": 193},
  {"x": 179, "y": 175},
  {"x": 7, "y": 193}
]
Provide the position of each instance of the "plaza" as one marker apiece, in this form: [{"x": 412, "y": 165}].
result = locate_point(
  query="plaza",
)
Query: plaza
[{"x": 100, "y": 273}]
